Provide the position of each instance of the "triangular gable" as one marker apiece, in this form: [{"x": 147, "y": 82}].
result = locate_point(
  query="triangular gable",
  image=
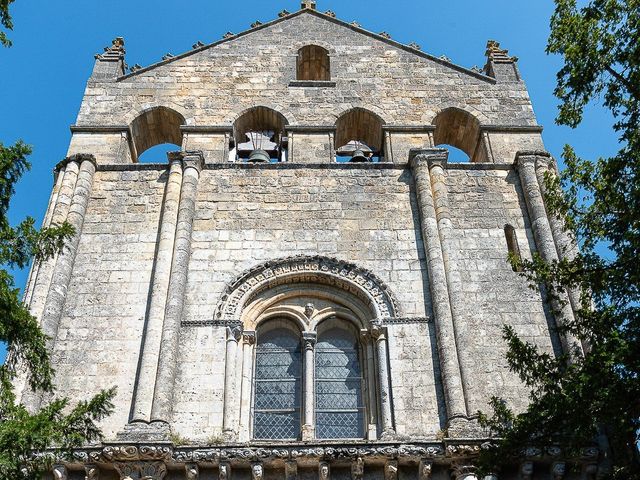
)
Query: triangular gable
[{"x": 229, "y": 37}]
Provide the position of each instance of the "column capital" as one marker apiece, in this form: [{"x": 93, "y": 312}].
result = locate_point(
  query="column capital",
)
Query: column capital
[
  {"x": 175, "y": 156},
  {"x": 234, "y": 333},
  {"x": 524, "y": 157},
  {"x": 76, "y": 158},
  {"x": 378, "y": 332},
  {"x": 309, "y": 339},
  {"x": 249, "y": 337},
  {"x": 193, "y": 159},
  {"x": 428, "y": 157}
]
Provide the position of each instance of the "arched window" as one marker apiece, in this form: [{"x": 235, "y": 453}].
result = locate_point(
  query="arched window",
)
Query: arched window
[
  {"x": 461, "y": 130},
  {"x": 359, "y": 136},
  {"x": 278, "y": 369},
  {"x": 338, "y": 377},
  {"x": 156, "y": 126},
  {"x": 512, "y": 245},
  {"x": 313, "y": 64}
]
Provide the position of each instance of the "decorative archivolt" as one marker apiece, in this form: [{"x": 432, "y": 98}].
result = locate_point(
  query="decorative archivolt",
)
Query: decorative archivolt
[{"x": 339, "y": 274}]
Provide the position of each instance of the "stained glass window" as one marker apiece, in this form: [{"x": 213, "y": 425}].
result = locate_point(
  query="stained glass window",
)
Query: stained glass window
[
  {"x": 278, "y": 385},
  {"x": 339, "y": 408}
]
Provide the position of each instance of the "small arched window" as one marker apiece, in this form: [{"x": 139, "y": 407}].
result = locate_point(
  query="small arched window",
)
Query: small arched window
[
  {"x": 512, "y": 245},
  {"x": 338, "y": 379},
  {"x": 458, "y": 128},
  {"x": 313, "y": 64},
  {"x": 278, "y": 391},
  {"x": 154, "y": 127}
]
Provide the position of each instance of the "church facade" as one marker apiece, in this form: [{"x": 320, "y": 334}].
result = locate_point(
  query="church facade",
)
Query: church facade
[{"x": 307, "y": 287}]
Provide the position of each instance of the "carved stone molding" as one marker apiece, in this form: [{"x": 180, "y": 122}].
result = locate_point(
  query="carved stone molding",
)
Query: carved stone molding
[
  {"x": 308, "y": 269},
  {"x": 249, "y": 337},
  {"x": 132, "y": 453}
]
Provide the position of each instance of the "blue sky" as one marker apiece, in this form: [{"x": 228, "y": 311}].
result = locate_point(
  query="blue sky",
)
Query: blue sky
[{"x": 45, "y": 72}]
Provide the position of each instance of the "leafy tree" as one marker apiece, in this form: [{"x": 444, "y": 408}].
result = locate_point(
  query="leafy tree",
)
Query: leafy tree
[
  {"x": 597, "y": 397},
  {"x": 24, "y": 435},
  {"x": 5, "y": 21}
]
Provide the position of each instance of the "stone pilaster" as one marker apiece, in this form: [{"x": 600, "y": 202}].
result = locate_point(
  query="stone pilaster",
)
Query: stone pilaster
[
  {"x": 309, "y": 341},
  {"x": 145, "y": 384},
  {"x": 379, "y": 335},
  {"x": 229, "y": 420},
  {"x": 167, "y": 362},
  {"x": 526, "y": 165},
  {"x": 443, "y": 317}
]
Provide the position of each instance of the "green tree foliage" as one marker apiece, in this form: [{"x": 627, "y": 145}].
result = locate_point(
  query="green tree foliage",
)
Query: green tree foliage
[
  {"x": 596, "y": 397},
  {"x": 5, "y": 21},
  {"x": 57, "y": 426}
]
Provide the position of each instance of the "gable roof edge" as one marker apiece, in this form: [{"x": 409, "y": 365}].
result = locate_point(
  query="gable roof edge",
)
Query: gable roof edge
[{"x": 324, "y": 16}]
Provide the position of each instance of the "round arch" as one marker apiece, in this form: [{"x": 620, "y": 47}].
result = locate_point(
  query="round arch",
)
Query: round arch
[
  {"x": 460, "y": 129},
  {"x": 155, "y": 126},
  {"x": 362, "y": 291},
  {"x": 362, "y": 125}
]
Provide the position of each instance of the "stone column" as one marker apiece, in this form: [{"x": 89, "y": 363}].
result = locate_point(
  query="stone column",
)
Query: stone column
[
  {"x": 36, "y": 266},
  {"x": 229, "y": 421},
  {"x": 248, "y": 341},
  {"x": 443, "y": 317},
  {"x": 368, "y": 348},
  {"x": 167, "y": 362},
  {"x": 61, "y": 275},
  {"x": 145, "y": 384},
  {"x": 308, "y": 429},
  {"x": 379, "y": 334},
  {"x": 566, "y": 248},
  {"x": 526, "y": 166},
  {"x": 437, "y": 165}
]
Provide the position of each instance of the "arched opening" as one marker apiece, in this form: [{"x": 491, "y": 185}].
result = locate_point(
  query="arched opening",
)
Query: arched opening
[
  {"x": 313, "y": 64},
  {"x": 339, "y": 405},
  {"x": 278, "y": 381},
  {"x": 156, "y": 126},
  {"x": 461, "y": 130},
  {"x": 359, "y": 137},
  {"x": 259, "y": 136}
]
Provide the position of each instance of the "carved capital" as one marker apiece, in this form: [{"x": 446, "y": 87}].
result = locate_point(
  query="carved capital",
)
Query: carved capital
[
  {"x": 309, "y": 339},
  {"x": 193, "y": 159},
  {"x": 426, "y": 157},
  {"x": 141, "y": 470},
  {"x": 378, "y": 332},
  {"x": 234, "y": 334},
  {"x": 249, "y": 337},
  {"x": 174, "y": 156},
  {"x": 530, "y": 157}
]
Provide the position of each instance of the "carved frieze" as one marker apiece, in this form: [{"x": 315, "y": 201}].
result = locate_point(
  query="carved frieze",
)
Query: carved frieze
[{"x": 310, "y": 269}]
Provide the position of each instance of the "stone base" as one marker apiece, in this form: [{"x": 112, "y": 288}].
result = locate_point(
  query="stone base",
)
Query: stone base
[
  {"x": 465, "y": 428},
  {"x": 145, "y": 432}
]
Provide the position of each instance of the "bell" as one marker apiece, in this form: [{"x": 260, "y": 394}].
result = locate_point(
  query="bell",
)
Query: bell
[
  {"x": 259, "y": 156},
  {"x": 358, "y": 157}
]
